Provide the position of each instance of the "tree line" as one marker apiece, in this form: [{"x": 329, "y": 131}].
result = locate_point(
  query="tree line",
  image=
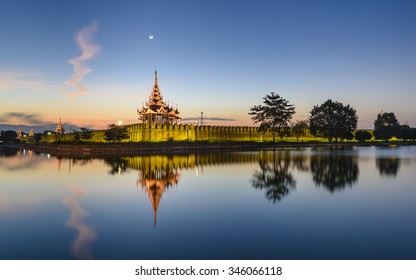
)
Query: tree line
[{"x": 332, "y": 120}]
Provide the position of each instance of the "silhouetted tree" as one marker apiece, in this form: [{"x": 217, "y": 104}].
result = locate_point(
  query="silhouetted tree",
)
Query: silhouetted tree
[
  {"x": 38, "y": 137},
  {"x": 386, "y": 126},
  {"x": 86, "y": 134},
  {"x": 363, "y": 135},
  {"x": 116, "y": 133},
  {"x": 333, "y": 120},
  {"x": 275, "y": 178},
  {"x": 348, "y": 135},
  {"x": 388, "y": 166},
  {"x": 405, "y": 132},
  {"x": 274, "y": 115},
  {"x": 334, "y": 171},
  {"x": 9, "y": 136},
  {"x": 299, "y": 129}
]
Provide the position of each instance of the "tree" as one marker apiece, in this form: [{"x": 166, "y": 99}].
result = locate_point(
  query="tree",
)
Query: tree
[
  {"x": 8, "y": 136},
  {"x": 86, "y": 134},
  {"x": 333, "y": 120},
  {"x": 386, "y": 126},
  {"x": 116, "y": 133},
  {"x": 405, "y": 132},
  {"x": 38, "y": 137},
  {"x": 413, "y": 133},
  {"x": 299, "y": 129},
  {"x": 274, "y": 115},
  {"x": 363, "y": 135}
]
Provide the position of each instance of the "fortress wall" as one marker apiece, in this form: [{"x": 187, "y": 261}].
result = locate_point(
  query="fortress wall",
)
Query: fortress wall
[{"x": 182, "y": 132}]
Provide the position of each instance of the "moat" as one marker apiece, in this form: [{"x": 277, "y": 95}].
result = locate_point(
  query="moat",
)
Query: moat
[{"x": 289, "y": 203}]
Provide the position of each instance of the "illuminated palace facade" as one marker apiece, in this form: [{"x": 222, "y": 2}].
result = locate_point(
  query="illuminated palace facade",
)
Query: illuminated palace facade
[{"x": 157, "y": 111}]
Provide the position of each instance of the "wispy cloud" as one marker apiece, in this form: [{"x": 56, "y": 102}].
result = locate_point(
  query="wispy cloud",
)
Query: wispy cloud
[
  {"x": 89, "y": 51},
  {"x": 20, "y": 79},
  {"x": 16, "y": 117}
]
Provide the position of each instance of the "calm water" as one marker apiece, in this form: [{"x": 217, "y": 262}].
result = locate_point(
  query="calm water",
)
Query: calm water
[{"x": 354, "y": 203}]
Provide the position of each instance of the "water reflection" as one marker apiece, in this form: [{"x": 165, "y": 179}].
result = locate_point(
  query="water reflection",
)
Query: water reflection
[
  {"x": 18, "y": 159},
  {"x": 220, "y": 210},
  {"x": 158, "y": 173},
  {"x": 388, "y": 166},
  {"x": 275, "y": 177},
  {"x": 117, "y": 165},
  {"x": 156, "y": 182},
  {"x": 336, "y": 170},
  {"x": 7, "y": 152},
  {"x": 80, "y": 246}
]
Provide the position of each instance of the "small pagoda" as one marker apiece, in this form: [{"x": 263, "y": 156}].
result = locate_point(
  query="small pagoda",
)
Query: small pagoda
[
  {"x": 156, "y": 111},
  {"x": 59, "y": 128},
  {"x": 32, "y": 133}
]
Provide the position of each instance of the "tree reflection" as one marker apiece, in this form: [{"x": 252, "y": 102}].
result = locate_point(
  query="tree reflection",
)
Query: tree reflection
[
  {"x": 8, "y": 152},
  {"x": 275, "y": 178},
  {"x": 388, "y": 166},
  {"x": 117, "y": 165},
  {"x": 334, "y": 171}
]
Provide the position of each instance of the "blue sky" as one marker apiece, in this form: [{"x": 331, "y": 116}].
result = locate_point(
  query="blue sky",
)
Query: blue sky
[{"x": 219, "y": 57}]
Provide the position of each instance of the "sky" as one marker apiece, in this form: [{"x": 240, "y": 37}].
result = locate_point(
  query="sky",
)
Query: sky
[{"x": 92, "y": 63}]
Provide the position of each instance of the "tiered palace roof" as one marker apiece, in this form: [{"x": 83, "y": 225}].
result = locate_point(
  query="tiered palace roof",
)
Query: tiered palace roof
[{"x": 157, "y": 111}]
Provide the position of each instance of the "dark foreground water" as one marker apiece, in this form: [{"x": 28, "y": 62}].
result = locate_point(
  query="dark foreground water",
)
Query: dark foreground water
[{"x": 350, "y": 203}]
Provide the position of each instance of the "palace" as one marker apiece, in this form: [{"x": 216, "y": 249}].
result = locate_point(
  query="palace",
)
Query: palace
[{"x": 156, "y": 111}]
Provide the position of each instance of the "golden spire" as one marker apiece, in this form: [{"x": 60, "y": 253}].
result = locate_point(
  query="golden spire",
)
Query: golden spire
[
  {"x": 155, "y": 77},
  {"x": 32, "y": 133},
  {"x": 19, "y": 133},
  {"x": 60, "y": 128}
]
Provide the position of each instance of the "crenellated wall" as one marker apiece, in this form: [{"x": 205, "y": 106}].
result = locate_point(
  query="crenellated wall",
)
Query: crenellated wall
[
  {"x": 158, "y": 133},
  {"x": 163, "y": 133}
]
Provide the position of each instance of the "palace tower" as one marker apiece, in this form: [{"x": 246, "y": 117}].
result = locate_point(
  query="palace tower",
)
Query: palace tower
[{"x": 156, "y": 111}]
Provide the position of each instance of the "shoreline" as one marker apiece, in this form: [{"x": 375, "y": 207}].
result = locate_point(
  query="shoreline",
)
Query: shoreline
[{"x": 134, "y": 149}]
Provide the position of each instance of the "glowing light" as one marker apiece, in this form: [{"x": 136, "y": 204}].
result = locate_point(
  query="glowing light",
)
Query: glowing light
[
  {"x": 120, "y": 123},
  {"x": 151, "y": 37}
]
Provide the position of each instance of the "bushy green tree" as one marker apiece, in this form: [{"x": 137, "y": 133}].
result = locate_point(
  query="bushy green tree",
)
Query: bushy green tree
[
  {"x": 363, "y": 135},
  {"x": 386, "y": 126},
  {"x": 116, "y": 133},
  {"x": 333, "y": 120},
  {"x": 274, "y": 115}
]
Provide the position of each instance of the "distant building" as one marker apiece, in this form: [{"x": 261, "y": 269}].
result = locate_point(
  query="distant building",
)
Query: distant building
[
  {"x": 156, "y": 111},
  {"x": 59, "y": 128},
  {"x": 19, "y": 134},
  {"x": 32, "y": 133}
]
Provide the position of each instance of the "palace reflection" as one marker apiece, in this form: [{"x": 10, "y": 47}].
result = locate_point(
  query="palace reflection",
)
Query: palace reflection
[{"x": 158, "y": 173}]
